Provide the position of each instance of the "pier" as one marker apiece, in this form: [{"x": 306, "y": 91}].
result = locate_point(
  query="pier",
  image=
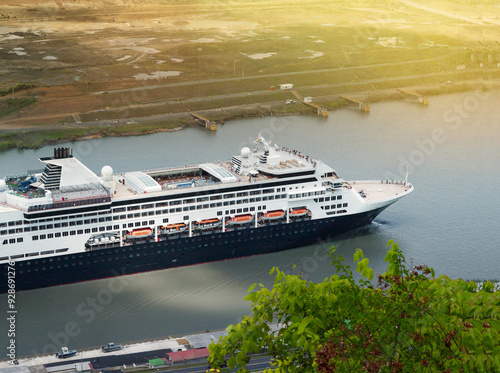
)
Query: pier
[
  {"x": 322, "y": 112},
  {"x": 420, "y": 99},
  {"x": 361, "y": 105},
  {"x": 209, "y": 125},
  {"x": 183, "y": 352},
  {"x": 77, "y": 119}
]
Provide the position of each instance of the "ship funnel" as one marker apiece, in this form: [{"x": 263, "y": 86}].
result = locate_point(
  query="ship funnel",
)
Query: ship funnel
[{"x": 60, "y": 153}]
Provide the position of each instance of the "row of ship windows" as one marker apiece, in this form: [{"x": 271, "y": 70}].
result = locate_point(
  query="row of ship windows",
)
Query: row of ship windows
[
  {"x": 27, "y": 222},
  {"x": 131, "y": 225},
  {"x": 190, "y": 240},
  {"x": 163, "y": 204},
  {"x": 101, "y": 229},
  {"x": 78, "y": 232},
  {"x": 333, "y": 212},
  {"x": 74, "y": 233},
  {"x": 308, "y": 194},
  {"x": 219, "y": 213},
  {"x": 192, "y": 208},
  {"x": 327, "y": 199},
  {"x": 207, "y": 199},
  {"x": 71, "y": 233},
  {"x": 199, "y": 207},
  {"x": 56, "y": 225},
  {"x": 116, "y": 227},
  {"x": 339, "y": 205},
  {"x": 138, "y": 215}
]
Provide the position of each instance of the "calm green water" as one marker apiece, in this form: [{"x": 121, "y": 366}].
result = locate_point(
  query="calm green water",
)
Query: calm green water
[{"x": 450, "y": 222}]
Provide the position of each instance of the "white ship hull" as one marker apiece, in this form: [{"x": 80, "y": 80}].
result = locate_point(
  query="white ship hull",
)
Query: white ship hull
[{"x": 75, "y": 239}]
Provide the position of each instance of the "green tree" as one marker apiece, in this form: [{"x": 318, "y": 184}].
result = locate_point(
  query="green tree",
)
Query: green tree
[{"x": 410, "y": 321}]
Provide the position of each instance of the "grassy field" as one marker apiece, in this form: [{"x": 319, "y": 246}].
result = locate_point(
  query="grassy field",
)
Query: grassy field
[
  {"x": 14, "y": 105},
  {"x": 171, "y": 56}
]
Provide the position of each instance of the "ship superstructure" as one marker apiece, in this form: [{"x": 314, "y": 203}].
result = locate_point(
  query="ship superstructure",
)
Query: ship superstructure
[{"x": 68, "y": 224}]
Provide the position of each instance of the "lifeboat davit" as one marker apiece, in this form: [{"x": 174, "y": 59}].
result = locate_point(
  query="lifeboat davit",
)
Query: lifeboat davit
[
  {"x": 240, "y": 220},
  {"x": 299, "y": 213},
  {"x": 207, "y": 224},
  {"x": 175, "y": 228},
  {"x": 139, "y": 233},
  {"x": 272, "y": 215}
]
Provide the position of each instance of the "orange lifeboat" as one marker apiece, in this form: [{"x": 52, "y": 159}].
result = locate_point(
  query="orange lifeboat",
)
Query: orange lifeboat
[
  {"x": 272, "y": 215},
  {"x": 175, "y": 228},
  {"x": 299, "y": 213},
  {"x": 139, "y": 233},
  {"x": 207, "y": 223},
  {"x": 240, "y": 220}
]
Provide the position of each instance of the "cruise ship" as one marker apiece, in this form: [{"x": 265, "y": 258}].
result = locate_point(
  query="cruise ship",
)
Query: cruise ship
[{"x": 67, "y": 224}]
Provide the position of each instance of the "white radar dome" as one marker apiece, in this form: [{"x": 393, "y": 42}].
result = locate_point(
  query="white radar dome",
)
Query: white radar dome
[
  {"x": 245, "y": 152},
  {"x": 3, "y": 184},
  {"x": 107, "y": 172}
]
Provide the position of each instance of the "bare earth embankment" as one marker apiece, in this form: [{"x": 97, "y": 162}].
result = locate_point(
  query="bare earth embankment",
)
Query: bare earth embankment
[{"x": 73, "y": 70}]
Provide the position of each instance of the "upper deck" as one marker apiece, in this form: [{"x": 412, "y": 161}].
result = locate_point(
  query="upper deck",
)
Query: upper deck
[
  {"x": 379, "y": 190},
  {"x": 190, "y": 178},
  {"x": 66, "y": 182}
]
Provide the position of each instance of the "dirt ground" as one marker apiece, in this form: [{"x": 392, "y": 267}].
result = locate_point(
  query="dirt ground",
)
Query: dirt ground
[{"x": 72, "y": 50}]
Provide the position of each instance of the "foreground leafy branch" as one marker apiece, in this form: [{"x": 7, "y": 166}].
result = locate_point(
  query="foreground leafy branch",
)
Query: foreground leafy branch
[{"x": 410, "y": 321}]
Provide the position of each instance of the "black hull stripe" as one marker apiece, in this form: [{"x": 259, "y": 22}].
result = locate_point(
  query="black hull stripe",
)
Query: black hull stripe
[{"x": 172, "y": 253}]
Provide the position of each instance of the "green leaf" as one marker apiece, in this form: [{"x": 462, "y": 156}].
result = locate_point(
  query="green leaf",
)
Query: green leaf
[
  {"x": 388, "y": 256},
  {"x": 391, "y": 269},
  {"x": 358, "y": 255},
  {"x": 231, "y": 362},
  {"x": 303, "y": 324},
  {"x": 361, "y": 265},
  {"x": 367, "y": 273},
  {"x": 488, "y": 286}
]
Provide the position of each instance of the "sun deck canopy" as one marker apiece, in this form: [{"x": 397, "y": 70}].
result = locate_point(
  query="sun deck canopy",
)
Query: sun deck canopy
[
  {"x": 219, "y": 172},
  {"x": 141, "y": 182}
]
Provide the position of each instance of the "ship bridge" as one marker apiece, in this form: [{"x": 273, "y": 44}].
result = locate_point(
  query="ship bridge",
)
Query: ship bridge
[{"x": 276, "y": 162}]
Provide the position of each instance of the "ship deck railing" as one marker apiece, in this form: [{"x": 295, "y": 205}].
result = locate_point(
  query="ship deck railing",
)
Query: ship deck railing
[
  {"x": 70, "y": 203},
  {"x": 400, "y": 182},
  {"x": 29, "y": 194},
  {"x": 125, "y": 190},
  {"x": 382, "y": 182},
  {"x": 163, "y": 169},
  {"x": 378, "y": 190}
]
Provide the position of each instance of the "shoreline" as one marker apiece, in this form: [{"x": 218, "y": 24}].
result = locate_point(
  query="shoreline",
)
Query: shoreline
[
  {"x": 144, "y": 347},
  {"x": 33, "y": 138}
]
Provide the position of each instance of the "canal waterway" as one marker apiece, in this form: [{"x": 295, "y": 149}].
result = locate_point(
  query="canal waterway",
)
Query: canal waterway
[{"x": 450, "y": 221}]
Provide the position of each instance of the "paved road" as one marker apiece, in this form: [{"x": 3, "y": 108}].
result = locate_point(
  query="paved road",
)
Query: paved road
[
  {"x": 257, "y": 363},
  {"x": 167, "y": 116},
  {"x": 477, "y": 21},
  {"x": 236, "y": 79},
  {"x": 103, "y": 362},
  {"x": 159, "y": 117}
]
